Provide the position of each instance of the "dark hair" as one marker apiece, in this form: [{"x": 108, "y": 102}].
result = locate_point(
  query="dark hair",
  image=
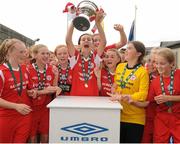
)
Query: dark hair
[
  {"x": 81, "y": 37},
  {"x": 140, "y": 47}
]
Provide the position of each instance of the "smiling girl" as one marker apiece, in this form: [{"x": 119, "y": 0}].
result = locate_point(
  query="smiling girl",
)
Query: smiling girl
[
  {"x": 165, "y": 91},
  {"x": 44, "y": 80},
  {"x": 65, "y": 65},
  {"x": 15, "y": 105},
  {"x": 105, "y": 76}
]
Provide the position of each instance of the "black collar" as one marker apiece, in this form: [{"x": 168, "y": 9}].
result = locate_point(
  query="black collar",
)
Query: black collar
[{"x": 133, "y": 66}]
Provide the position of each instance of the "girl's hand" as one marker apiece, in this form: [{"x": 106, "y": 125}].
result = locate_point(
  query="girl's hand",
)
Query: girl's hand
[
  {"x": 115, "y": 97},
  {"x": 32, "y": 93},
  {"x": 161, "y": 99},
  {"x": 23, "y": 109},
  {"x": 118, "y": 27},
  {"x": 127, "y": 98},
  {"x": 50, "y": 89},
  {"x": 58, "y": 90},
  {"x": 99, "y": 16}
]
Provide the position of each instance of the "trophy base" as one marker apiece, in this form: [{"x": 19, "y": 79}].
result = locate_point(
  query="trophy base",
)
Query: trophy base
[{"x": 81, "y": 23}]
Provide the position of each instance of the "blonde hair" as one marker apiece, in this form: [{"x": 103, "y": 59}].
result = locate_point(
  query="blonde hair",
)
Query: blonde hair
[
  {"x": 35, "y": 48},
  {"x": 7, "y": 45},
  {"x": 168, "y": 54},
  {"x": 58, "y": 47},
  {"x": 154, "y": 50},
  {"x": 116, "y": 51}
]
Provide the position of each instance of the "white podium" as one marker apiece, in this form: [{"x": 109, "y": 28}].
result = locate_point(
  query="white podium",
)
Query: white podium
[{"x": 85, "y": 119}]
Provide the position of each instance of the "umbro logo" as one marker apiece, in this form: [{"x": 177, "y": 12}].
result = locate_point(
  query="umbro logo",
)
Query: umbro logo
[{"x": 84, "y": 129}]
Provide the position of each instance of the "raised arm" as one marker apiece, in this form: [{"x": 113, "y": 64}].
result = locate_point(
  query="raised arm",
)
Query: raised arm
[
  {"x": 101, "y": 47},
  {"x": 69, "y": 43},
  {"x": 123, "y": 39}
]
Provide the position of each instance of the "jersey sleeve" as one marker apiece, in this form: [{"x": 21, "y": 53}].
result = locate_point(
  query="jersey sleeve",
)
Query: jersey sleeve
[{"x": 110, "y": 47}]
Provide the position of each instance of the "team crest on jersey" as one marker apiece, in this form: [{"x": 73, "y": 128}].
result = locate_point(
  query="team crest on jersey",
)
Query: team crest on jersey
[
  {"x": 49, "y": 78},
  {"x": 133, "y": 77},
  {"x": 63, "y": 77}
]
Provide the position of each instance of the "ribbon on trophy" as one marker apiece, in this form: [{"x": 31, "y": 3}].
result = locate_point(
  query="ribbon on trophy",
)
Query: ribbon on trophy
[{"x": 70, "y": 9}]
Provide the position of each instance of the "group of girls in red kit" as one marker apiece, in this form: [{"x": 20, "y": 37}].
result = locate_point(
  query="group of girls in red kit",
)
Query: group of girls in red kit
[
  {"x": 150, "y": 108},
  {"x": 24, "y": 92}
]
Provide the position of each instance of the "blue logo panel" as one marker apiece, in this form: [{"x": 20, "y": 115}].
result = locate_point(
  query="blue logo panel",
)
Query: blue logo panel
[{"x": 84, "y": 129}]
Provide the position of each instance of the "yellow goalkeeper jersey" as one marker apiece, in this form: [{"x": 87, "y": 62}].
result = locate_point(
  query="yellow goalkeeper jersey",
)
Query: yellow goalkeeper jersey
[{"x": 135, "y": 83}]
